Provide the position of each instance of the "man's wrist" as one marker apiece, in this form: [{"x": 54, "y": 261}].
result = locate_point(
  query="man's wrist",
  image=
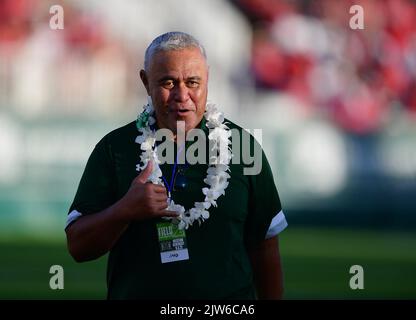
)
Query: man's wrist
[{"x": 120, "y": 213}]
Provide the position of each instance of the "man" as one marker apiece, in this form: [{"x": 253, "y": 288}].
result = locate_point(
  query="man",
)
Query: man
[{"x": 224, "y": 247}]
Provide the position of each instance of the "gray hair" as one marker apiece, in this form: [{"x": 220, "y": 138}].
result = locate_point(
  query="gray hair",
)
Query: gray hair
[{"x": 171, "y": 41}]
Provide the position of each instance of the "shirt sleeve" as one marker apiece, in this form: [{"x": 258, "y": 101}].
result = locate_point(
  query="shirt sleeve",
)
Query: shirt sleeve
[
  {"x": 97, "y": 188},
  {"x": 265, "y": 217}
]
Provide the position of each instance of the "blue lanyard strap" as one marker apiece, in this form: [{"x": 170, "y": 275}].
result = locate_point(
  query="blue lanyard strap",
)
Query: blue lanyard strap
[{"x": 172, "y": 178}]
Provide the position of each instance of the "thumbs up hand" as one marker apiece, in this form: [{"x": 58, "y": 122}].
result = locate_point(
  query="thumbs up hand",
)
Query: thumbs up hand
[{"x": 145, "y": 200}]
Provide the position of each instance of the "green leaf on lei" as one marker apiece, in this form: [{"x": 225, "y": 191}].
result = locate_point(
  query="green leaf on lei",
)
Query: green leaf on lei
[{"x": 142, "y": 120}]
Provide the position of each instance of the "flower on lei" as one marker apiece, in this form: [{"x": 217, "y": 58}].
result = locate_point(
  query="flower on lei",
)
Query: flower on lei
[
  {"x": 210, "y": 196},
  {"x": 218, "y": 182},
  {"x": 215, "y": 118},
  {"x": 221, "y": 136},
  {"x": 146, "y": 140}
]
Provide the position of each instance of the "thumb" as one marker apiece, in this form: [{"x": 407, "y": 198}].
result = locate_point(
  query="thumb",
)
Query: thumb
[{"x": 145, "y": 174}]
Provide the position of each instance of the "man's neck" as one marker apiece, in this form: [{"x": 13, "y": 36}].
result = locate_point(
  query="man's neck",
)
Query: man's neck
[{"x": 180, "y": 128}]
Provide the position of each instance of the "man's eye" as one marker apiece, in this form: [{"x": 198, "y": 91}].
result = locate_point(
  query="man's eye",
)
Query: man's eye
[
  {"x": 192, "y": 84},
  {"x": 168, "y": 84}
]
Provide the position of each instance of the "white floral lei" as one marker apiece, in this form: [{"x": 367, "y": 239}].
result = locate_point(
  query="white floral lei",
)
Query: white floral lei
[{"x": 217, "y": 175}]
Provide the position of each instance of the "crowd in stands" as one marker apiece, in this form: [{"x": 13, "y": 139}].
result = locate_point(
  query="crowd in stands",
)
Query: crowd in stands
[
  {"x": 355, "y": 77},
  {"x": 81, "y": 69}
]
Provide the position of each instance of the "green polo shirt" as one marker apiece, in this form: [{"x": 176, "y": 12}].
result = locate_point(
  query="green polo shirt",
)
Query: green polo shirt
[{"x": 218, "y": 266}]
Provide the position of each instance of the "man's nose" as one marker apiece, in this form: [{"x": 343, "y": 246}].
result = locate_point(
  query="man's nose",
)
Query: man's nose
[{"x": 181, "y": 93}]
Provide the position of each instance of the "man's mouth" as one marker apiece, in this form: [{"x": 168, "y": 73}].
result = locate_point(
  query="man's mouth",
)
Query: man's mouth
[{"x": 182, "y": 112}]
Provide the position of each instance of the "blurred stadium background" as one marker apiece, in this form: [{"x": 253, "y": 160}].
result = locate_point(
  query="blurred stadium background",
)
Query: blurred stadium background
[{"x": 337, "y": 108}]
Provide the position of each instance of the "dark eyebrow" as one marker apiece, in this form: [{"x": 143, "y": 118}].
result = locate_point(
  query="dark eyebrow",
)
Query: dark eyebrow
[
  {"x": 194, "y": 78},
  {"x": 165, "y": 78}
]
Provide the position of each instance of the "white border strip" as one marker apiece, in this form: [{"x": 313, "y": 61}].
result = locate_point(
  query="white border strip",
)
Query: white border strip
[
  {"x": 74, "y": 215},
  {"x": 277, "y": 225}
]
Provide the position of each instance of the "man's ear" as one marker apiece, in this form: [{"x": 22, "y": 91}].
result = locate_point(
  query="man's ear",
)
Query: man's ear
[{"x": 145, "y": 80}]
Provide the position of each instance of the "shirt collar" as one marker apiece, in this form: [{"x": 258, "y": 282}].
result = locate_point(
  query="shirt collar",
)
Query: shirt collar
[{"x": 201, "y": 125}]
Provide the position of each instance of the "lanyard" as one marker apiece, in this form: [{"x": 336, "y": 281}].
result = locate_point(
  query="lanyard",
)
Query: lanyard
[{"x": 172, "y": 178}]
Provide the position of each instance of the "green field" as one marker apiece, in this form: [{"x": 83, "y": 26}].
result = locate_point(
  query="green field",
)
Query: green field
[{"x": 316, "y": 265}]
